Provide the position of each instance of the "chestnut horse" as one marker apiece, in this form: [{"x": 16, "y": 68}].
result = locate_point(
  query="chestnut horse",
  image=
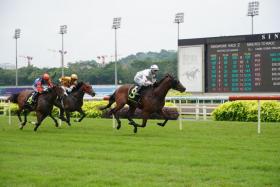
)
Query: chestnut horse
[
  {"x": 43, "y": 108},
  {"x": 152, "y": 101},
  {"x": 74, "y": 101}
]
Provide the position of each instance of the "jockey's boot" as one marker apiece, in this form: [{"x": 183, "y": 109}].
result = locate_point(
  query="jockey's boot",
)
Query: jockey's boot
[
  {"x": 34, "y": 98},
  {"x": 138, "y": 94}
]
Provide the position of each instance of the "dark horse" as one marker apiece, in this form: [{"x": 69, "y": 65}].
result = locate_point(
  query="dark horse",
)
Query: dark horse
[
  {"x": 43, "y": 108},
  {"x": 74, "y": 101},
  {"x": 153, "y": 99}
]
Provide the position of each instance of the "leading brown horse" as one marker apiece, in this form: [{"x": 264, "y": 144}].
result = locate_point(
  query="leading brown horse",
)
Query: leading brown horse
[
  {"x": 43, "y": 108},
  {"x": 153, "y": 100}
]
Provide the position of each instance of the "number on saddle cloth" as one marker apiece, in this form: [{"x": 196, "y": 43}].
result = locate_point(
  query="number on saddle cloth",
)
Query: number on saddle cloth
[
  {"x": 29, "y": 100},
  {"x": 133, "y": 94}
]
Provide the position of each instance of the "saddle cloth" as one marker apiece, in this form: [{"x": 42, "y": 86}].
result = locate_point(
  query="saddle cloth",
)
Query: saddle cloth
[
  {"x": 28, "y": 101},
  {"x": 133, "y": 94}
]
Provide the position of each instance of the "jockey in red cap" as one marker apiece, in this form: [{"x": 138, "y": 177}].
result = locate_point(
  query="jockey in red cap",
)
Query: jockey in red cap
[{"x": 41, "y": 85}]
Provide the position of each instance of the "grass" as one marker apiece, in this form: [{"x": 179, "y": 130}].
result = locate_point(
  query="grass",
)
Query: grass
[{"x": 92, "y": 153}]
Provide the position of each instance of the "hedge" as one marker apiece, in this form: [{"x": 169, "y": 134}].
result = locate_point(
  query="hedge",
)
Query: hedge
[
  {"x": 91, "y": 108},
  {"x": 247, "y": 111}
]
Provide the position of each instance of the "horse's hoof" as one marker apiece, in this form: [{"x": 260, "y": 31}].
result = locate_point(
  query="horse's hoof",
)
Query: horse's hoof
[
  {"x": 160, "y": 124},
  {"x": 135, "y": 130},
  {"x": 21, "y": 125},
  {"x": 118, "y": 127},
  {"x": 35, "y": 129}
]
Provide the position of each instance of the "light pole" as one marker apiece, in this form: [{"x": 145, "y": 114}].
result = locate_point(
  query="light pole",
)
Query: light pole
[
  {"x": 63, "y": 30},
  {"x": 29, "y": 58},
  {"x": 116, "y": 25},
  {"x": 179, "y": 18},
  {"x": 16, "y": 36},
  {"x": 253, "y": 10}
]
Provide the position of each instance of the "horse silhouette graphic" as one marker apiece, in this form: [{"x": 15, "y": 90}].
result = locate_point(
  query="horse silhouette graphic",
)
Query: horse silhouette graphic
[{"x": 191, "y": 75}]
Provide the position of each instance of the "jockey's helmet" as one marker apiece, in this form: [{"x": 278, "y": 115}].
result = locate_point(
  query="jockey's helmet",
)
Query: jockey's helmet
[
  {"x": 154, "y": 68},
  {"x": 46, "y": 77},
  {"x": 74, "y": 77}
]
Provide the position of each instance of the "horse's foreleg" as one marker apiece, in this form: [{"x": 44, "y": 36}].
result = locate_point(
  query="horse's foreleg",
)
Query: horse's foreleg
[
  {"x": 144, "y": 121},
  {"x": 82, "y": 114},
  {"x": 18, "y": 114},
  {"x": 161, "y": 112},
  {"x": 61, "y": 114},
  {"x": 163, "y": 124},
  {"x": 68, "y": 118},
  {"x": 55, "y": 121},
  {"x": 61, "y": 110},
  {"x": 40, "y": 118}
]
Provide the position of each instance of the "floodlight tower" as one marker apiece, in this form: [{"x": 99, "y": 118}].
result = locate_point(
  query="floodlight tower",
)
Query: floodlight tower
[
  {"x": 63, "y": 30},
  {"x": 116, "y": 25},
  {"x": 253, "y": 10},
  {"x": 179, "y": 18},
  {"x": 29, "y": 58},
  {"x": 16, "y": 36}
]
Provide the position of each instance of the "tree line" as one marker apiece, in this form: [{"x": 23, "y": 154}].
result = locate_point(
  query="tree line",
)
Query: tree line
[{"x": 90, "y": 71}]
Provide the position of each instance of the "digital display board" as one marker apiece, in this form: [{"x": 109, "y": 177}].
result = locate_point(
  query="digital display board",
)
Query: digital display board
[
  {"x": 240, "y": 64},
  {"x": 244, "y": 67}
]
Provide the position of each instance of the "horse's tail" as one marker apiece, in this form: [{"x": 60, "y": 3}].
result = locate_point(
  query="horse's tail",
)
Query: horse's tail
[
  {"x": 111, "y": 101},
  {"x": 13, "y": 98}
]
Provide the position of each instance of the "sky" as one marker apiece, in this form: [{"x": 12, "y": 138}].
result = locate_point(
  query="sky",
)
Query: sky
[{"x": 146, "y": 25}]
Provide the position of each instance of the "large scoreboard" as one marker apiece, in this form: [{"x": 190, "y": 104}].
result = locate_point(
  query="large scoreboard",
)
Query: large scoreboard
[{"x": 238, "y": 64}]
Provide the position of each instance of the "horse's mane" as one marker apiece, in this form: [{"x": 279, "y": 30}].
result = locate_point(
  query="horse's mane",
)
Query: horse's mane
[{"x": 166, "y": 75}]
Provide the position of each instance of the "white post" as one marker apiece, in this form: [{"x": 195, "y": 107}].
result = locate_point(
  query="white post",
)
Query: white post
[
  {"x": 10, "y": 118},
  {"x": 259, "y": 116},
  {"x": 197, "y": 111},
  {"x": 180, "y": 117},
  {"x": 2, "y": 105},
  {"x": 204, "y": 112},
  {"x": 114, "y": 121}
]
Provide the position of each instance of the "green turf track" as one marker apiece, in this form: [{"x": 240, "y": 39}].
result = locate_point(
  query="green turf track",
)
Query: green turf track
[{"x": 92, "y": 153}]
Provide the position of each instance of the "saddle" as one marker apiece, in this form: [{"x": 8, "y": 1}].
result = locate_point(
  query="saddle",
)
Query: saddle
[{"x": 133, "y": 94}]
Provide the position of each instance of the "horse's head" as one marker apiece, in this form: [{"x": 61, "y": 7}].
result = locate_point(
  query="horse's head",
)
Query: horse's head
[
  {"x": 87, "y": 88},
  {"x": 175, "y": 84}
]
